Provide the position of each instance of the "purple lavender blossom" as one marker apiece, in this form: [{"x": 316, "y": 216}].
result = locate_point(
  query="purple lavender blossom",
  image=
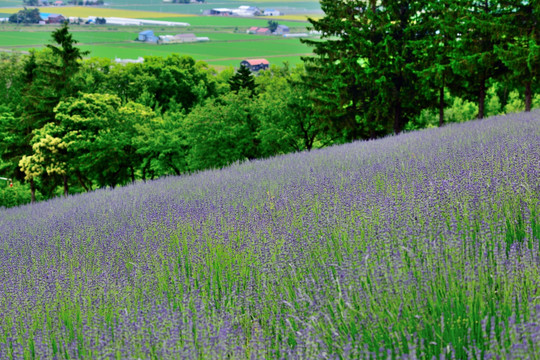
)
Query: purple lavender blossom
[{"x": 420, "y": 245}]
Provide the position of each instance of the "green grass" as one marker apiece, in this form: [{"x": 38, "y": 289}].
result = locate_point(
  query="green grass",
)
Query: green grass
[
  {"x": 40, "y": 38},
  {"x": 224, "y": 49},
  {"x": 16, "y": 38},
  {"x": 219, "y": 53},
  {"x": 6, "y": 3}
]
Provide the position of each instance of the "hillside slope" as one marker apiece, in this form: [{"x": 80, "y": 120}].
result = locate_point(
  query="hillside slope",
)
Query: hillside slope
[{"x": 424, "y": 244}]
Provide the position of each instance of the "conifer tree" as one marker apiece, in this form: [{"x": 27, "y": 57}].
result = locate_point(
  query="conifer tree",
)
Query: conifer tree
[
  {"x": 243, "y": 79},
  {"x": 521, "y": 50},
  {"x": 61, "y": 73},
  {"x": 438, "y": 23},
  {"x": 366, "y": 63},
  {"x": 474, "y": 57}
]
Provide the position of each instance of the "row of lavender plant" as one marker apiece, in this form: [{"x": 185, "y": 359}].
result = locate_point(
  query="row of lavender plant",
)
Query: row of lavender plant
[{"x": 420, "y": 245}]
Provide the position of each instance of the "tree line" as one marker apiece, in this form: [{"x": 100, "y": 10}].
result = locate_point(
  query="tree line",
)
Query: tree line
[
  {"x": 69, "y": 125},
  {"x": 379, "y": 64}
]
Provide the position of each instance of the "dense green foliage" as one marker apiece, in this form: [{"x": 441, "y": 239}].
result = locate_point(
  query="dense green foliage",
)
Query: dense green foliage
[
  {"x": 385, "y": 62},
  {"x": 25, "y": 16},
  {"x": 70, "y": 125}
]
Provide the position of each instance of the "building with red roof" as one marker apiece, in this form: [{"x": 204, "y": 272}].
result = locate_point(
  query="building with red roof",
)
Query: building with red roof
[{"x": 256, "y": 64}]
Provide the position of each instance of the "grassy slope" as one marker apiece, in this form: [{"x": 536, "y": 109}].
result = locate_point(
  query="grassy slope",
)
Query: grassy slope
[{"x": 425, "y": 244}]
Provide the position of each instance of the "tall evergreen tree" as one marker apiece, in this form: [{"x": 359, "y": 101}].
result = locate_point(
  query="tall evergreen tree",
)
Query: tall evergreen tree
[
  {"x": 438, "y": 22},
  {"x": 61, "y": 73},
  {"x": 243, "y": 79},
  {"x": 520, "y": 50},
  {"x": 474, "y": 57},
  {"x": 365, "y": 65}
]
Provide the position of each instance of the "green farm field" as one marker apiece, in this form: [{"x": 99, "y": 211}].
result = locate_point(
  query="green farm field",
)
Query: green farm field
[
  {"x": 228, "y": 44},
  {"x": 223, "y": 49},
  {"x": 223, "y": 53}
]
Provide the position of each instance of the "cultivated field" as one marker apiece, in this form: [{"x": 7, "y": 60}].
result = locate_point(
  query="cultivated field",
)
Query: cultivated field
[
  {"x": 421, "y": 245},
  {"x": 228, "y": 44},
  {"x": 215, "y": 53},
  {"x": 85, "y": 11},
  {"x": 226, "y": 48}
]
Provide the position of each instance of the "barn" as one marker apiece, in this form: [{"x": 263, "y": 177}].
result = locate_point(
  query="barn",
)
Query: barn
[
  {"x": 52, "y": 18},
  {"x": 256, "y": 64},
  {"x": 263, "y": 31},
  {"x": 185, "y": 37},
  {"x": 282, "y": 29},
  {"x": 221, "y": 11},
  {"x": 271, "y": 12},
  {"x": 148, "y": 36}
]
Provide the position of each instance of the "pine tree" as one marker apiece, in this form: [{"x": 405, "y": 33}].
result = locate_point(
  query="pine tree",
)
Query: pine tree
[
  {"x": 474, "y": 57},
  {"x": 520, "y": 51},
  {"x": 62, "y": 73},
  {"x": 438, "y": 23},
  {"x": 243, "y": 79},
  {"x": 272, "y": 25},
  {"x": 365, "y": 61}
]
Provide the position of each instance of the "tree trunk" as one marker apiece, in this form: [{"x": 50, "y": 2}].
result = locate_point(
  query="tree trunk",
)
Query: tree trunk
[
  {"x": 528, "y": 96},
  {"x": 398, "y": 120},
  {"x": 132, "y": 174},
  {"x": 66, "y": 188},
  {"x": 32, "y": 191},
  {"x": 81, "y": 181},
  {"x": 441, "y": 106},
  {"x": 481, "y": 100}
]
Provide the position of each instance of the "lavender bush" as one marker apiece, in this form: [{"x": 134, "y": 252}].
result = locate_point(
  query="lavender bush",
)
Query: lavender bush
[{"x": 423, "y": 245}]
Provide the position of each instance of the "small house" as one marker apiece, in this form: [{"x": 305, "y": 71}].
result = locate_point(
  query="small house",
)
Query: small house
[
  {"x": 282, "y": 29},
  {"x": 271, "y": 12},
  {"x": 185, "y": 38},
  {"x": 56, "y": 19},
  {"x": 52, "y": 18},
  {"x": 221, "y": 11},
  {"x": 148, "y": 36},
  {"x": 166, "y": 39},
  {"x": 252, "y": 30},
  {"x": 256, "y": 64},
  {"x": 58, "y": 3},
  {"x": 246, "y": 11},
  {"x": 263, "y": 31}
]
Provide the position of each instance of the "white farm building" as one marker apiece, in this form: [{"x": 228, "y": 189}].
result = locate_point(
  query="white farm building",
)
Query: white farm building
[{"x": 139, "y": 22}]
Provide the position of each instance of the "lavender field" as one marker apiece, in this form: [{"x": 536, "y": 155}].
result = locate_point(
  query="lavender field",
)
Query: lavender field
[{"x": 419, "y": 246}]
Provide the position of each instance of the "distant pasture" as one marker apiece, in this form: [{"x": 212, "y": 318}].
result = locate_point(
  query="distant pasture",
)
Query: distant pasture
[{"x": 223, "y": 49}]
